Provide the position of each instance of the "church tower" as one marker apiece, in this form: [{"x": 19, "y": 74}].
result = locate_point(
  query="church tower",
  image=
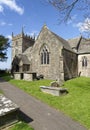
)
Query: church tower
[{"x": 20, "y": 43}]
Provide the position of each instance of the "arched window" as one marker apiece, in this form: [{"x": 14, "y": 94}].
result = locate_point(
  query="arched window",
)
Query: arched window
[
  {"x": 44, "y": 55},
  {"x": 84, "y": 61}
]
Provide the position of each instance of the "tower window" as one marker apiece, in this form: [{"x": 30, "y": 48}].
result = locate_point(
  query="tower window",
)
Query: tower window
[
  {"x": 84, "y": 61},
  {"x": 16, "y": 51},
  {"x": 16, "y": 43},
  {"x": 44, "y": 55}
]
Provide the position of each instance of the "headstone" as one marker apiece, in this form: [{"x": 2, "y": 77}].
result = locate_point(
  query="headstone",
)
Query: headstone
[{"x": 55, "y": 84}]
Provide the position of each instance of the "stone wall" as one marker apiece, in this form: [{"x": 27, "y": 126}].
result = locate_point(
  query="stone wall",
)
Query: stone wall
[
  {"x": 17, "y": 76},
  {"x": 27, "y": 42},
  {"x": 54, "y": 69},
  {"x": 28, "y": 77},
  {"x": 25, "y": 76},
  {"x": 20, "y": 43},
  {"x": 70, "y": 64},
  {"x": 16, "y": 45},
  {"x": 84, "y": 70},
  {"x": 62, "y": 64}
]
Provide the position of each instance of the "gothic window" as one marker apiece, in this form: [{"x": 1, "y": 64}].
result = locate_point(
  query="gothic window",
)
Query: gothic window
[
  {"x": 41, "y": 58},
  {"x": 44, "y": 55},
  {"x": 84, "y": 61},
  {"x": 47, "y": 57}
]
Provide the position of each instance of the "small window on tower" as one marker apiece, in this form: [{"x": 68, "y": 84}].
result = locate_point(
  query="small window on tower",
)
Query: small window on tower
[
  {"x": 16, "y": 43},
  {"x": 16, "y": 51}
]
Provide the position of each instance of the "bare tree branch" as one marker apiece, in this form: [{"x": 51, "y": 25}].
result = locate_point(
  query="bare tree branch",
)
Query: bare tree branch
[{"x": 67, "y": 7}]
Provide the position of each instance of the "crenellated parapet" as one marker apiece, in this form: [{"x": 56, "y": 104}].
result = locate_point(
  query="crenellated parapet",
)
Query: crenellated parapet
[
  {"x": 28, "y": 37},
  {"x": 24, "y": 36},
  {"x": 17, "y": 36}
]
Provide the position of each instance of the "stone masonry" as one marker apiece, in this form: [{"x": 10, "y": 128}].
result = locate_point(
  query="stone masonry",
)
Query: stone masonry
[{"x": 49, "y": 55}]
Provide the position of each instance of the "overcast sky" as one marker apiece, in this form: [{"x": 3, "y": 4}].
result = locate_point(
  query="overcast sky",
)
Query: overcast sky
[{"x": 32, "y": 15}]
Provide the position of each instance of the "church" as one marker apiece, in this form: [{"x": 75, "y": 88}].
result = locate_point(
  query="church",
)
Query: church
[{"x": 49, "y": 56}]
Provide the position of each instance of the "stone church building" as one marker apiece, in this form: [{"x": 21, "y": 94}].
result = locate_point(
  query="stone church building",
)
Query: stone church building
[{"x": 50, "y": 56}]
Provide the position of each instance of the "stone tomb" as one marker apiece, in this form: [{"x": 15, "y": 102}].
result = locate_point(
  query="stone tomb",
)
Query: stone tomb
[
  {"x": 8, "y": 112},
  {"x": 28, "y": 76},
  {"x": 54, "y": 89}
]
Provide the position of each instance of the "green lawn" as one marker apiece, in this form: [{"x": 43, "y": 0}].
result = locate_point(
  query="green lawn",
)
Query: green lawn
[
  {"x": 76, "y": 103},
  {"x": 21, "y": 126},
  {"x": 0, "y": 91}
]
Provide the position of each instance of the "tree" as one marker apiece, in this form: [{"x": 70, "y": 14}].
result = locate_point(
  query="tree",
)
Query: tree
[
  {"x": 4, "y": 44},
  {"x": 69, "y": 9},
  {"x": 66, "y": 8}
]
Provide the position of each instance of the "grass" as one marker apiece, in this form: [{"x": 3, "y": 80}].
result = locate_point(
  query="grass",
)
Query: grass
[
  {"x": 1, "y": 92},
  {"x": 76, "y": 103},
  {"x": 21, "y": 126}
]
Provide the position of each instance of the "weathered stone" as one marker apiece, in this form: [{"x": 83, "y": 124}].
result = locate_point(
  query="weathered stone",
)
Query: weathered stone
[
  {"x": 55, "y": 84},
  {"x": 50, "y": 56},
  {"x": 8, "y": 112},
  {"x": 54, "y": 90}
]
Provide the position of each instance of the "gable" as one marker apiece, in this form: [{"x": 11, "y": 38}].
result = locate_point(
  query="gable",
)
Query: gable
[{"x": 52, "y": 39}]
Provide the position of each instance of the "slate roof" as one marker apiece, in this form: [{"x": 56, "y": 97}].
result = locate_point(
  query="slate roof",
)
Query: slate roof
[
  {"x": 84, "y": 46},
  {"x": 6, "y": 106},
  {"x": 24, "y": 59},
  {"x": 74, "y": 42},
  {"x": 64, "y": 43}
]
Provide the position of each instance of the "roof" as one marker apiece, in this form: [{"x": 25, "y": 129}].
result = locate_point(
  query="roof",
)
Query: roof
[
  {"x": 84, "y": 46},
  {"x": 64, "y": 43},
  {"x": 24, "y": 59},
  {"x": 74, "y": 42},
  {"x": 6, "y": 105}
]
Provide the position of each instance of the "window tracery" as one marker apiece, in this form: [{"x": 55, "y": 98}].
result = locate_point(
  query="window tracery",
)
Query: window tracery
[{"x": 44, "y": 55}]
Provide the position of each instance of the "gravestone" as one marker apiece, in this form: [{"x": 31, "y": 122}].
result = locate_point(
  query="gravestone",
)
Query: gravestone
[
  {"x": 8, "y": 112},
  {"x": 55, "y": 84}
]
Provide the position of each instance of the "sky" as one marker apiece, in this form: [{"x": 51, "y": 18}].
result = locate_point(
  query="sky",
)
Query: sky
[{"x": 32, "y": 15}]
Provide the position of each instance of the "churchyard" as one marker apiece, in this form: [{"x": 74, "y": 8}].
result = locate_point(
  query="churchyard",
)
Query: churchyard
[
  {"x": 9, "y": 115},
  {"x": 20, "y": 126},
  {"x": 75, "y": 104}
]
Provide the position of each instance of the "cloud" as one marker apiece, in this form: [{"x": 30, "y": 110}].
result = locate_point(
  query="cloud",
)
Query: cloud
[
  {"x": 73, "y": 18},
  {"x": 4, "y": 23},
  {"x": 12, "y": 5},
  {"x": 1, "y": 8},
  {"x": 9, "y": 37},
  {"x": 10, "y": 24},
  {"x": 84, "y": 26}
]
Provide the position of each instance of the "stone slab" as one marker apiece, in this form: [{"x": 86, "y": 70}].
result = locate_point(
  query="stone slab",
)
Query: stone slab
[
  {"x": 54, "y": 90},
  {"x": 8, "y": 112}
]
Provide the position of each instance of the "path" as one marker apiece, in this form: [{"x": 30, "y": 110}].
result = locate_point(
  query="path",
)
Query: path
[{"x": 42, "y": 116}]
